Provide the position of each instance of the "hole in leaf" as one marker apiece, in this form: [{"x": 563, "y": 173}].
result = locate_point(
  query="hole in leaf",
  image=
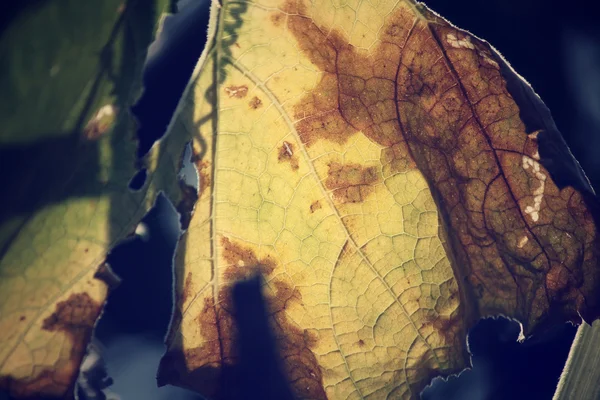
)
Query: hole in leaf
[
  {"x": 138, "y": 180},
  {"x": 503, "y": 367},
  {"x": 169, "y": 65},
  {"x": 189, "y": 172}
]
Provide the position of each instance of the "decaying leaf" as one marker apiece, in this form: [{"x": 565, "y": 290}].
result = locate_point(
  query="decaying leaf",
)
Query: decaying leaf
[
  {"x": 70, "y": 70},
  {"x": 391, "y": 178}
]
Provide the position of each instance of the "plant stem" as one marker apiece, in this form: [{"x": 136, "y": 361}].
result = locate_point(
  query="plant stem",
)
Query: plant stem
[{"x": 580, "y": 378}]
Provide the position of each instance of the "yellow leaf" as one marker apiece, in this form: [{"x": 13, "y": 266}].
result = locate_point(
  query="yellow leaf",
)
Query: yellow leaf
[{"x": 379, "y": 168}]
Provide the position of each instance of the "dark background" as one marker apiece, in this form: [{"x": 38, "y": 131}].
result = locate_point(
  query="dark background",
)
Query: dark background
[{"x": 554, "y": 45}]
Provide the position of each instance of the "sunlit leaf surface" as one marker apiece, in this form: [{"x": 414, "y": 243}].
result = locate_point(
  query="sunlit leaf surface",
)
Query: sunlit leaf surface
[{"x": 391, "y": 178}]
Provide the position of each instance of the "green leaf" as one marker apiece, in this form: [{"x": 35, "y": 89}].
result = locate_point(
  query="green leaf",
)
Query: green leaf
[{"x": 69, "y": 72}]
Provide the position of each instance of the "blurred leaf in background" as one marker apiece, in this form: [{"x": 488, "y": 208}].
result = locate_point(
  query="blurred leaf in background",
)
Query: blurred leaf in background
[{"x": 69, "y": 72}]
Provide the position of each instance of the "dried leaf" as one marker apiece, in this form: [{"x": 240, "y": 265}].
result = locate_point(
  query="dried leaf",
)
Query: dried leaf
[{"x": 391, "y": 178}]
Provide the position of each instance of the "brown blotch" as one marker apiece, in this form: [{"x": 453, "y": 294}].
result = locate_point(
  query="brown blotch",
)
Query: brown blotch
[
  {"x": 75, "y": 318},
  {"x": 356, "y": 92},
  {"x": 204, "y": 172},
  {"x": 277, "y": 18},
  {"x": 315, "y": 205},
  {"x": 287, "y": 154},
  {"x": 397, "y": 159},
  {"x": 361, "y": 343},
  {"x": 255, "y": 103},
  {"x": 78, "y": 312},
  {"x": 187, "y": 288},
  {"x": 238, "y": 92},
  {"x": 242, "y": 262},
  {"x": 203, "y": 168},
  {"x": 22, "y": 318},
  {"x": 350, "y": 183},
  {"x": 212, "y": 367}
]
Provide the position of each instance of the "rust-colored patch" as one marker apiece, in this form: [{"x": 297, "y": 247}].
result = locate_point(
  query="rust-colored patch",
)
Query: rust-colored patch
[
  {"x": 277, "y": 18},
  {"x": 203, "y": 168},
  {"x": 74, "y": 317},
  {"x": 187, "y": 288},
  {"x": 242, "y": 262},
  {"x": 350, "y": 183},
  {"x": 238, "y": 92},
  {"x": 361, "y": 343},
  {"x": 315, "y": 205},
  {"x": 287, "y": 154},
  {"x": 356, "y": 92},
  {"x": 213, "y": 366},
  {"x": 22, "y": 318},
  {"x": 204, "y": 172},
  {"x": 255, "y": 103},
  {"x": 78, "y": 312}
]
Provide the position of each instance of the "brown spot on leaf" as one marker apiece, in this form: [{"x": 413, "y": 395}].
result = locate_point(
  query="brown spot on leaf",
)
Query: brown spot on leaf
[
  {"x": 287, "y": 154},
  {"x": 204, "y": 171},
  {"x": 255, "y": 103},
  {"x": 187, "y": 289},
  {"x": 361, "y": 343},
  {"x": 75, "y": 318},
  {"x": 203, "y": 168},
  {"x": 315, "y": 205},
  {"x": 238, "y": 92},
  {"x": 213, "y": 366},
  {"x": 22, "y": 318},
  {"x": 242, "y": 262},
  {"x": 277, "y": 18},
  {"x": 350, "y": 183}
]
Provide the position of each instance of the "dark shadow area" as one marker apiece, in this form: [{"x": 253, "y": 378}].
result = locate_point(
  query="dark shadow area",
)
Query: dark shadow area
[
  {"x": 504, "y": 368},
  {"x": 137, "y": 313},
  {"x": 259, "y": 369},
  {"x": 170, "y": 63},
  {"x": 143, "y": 300},
  {"x": 11, "y": 9},
  {"x": 39, "y": 174}
]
